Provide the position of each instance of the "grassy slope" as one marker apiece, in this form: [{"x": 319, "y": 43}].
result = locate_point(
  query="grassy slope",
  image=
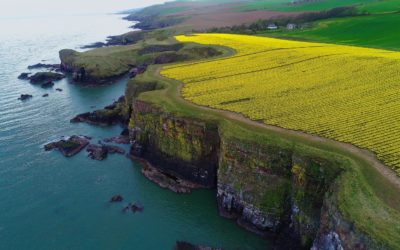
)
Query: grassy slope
[
  {"x": 359, "y": 188},
  {"x": 109, "y": 61}
]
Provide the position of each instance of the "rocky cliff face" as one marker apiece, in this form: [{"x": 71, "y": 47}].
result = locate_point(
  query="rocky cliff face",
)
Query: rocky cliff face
[
  {"x": 182, "y": 147},
  {"x": 269, "y": 189}
]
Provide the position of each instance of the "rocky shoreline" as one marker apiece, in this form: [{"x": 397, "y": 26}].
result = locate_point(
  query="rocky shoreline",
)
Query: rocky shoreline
[
  {"x": 111, "y": 115},
  {"x": 167, "y": 181},
  {"x": 69, "y": 146}
]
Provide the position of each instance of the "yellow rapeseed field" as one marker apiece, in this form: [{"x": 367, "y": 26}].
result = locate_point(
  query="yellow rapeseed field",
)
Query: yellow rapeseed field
[{"x": 346, "y": 93}]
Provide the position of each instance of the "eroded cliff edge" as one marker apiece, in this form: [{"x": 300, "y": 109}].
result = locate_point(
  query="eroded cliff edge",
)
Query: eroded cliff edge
[{"x": 272, "y": 189}]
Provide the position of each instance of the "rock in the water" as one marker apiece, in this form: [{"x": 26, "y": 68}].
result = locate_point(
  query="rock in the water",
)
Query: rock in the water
[
  {"x": 94, "y": 45},
  {"x": 137, "y": 208},
  {"x": 24, "y": 76},
  {"x": 45, "y": 66},
  {"x": 45, "y": 95},
  {"x": 48, "y": 84},
  {"x": 116, "y": 198},
  {"x": 165, "y": 180},
  {"x": 113, "y": 149},
  {"x": 183, "y": 245},
  {"x": 24, "y": 97},
  {"x": 70, "y": 146},
  {"x": 59, "y": 90},
  {"x": 133, "y": 207},
  {"x": 118, "y": 139},
  {"x": 42, "y": 77},
  {"x": 110, "y": 115},
  {"x": 97, "y": 152}
]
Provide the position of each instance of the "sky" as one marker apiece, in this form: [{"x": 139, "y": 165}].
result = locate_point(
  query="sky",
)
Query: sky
[{"x": 11, "y": 8}]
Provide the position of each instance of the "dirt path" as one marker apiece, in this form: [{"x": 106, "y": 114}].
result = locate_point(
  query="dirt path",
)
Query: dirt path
[{"x": 364, "y": 154}]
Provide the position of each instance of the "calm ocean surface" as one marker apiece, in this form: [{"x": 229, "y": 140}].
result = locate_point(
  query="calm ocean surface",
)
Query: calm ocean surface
[{"x": 50, "y": 202}]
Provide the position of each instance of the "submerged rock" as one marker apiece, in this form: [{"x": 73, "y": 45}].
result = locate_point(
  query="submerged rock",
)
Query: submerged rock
[
  {"x": 137, "y": 208},
  {"x": 116, "y": 198},
  {"x": 24, "y": 76},
  {"x": 47, "y": 85},
  {"x": 110, "y": 115},
  {"x": 93, "y": 45},
  {"x": 45, "y": 66},
  {"x": 97, "y": 152},
  {"x": 42, "y": 77},
  {"x": 118, "y": 139},
  {"x": 70, "y": 146},
  {"x": 113, "y": 149},
  {"x": 183, "y": 245},
  {"x": 134, "y": 207},
  {"x": 24, "y": 97},
  {"x": 100, "y": 152}
]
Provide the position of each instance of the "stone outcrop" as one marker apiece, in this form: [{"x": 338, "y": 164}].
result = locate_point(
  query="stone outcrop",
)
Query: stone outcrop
[
  {"x": 100, "y": 152},
  {"x": 44, "y": 77},
  {"x": 183, "y": 245},
  {"x": 115, "y": 113},
  {"x": 54, "y": 67},
  {"x": 24, "y": 76},
  {"x": 70, "y": 146},
  {"x": 24, "y": 97}
]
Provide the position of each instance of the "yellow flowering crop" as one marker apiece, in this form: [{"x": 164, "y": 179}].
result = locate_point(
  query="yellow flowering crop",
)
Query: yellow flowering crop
[{"x": 346, "y": 93}]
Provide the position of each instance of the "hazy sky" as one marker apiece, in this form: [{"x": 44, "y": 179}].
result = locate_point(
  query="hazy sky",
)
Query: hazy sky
[{"x": 40, "y": 7}]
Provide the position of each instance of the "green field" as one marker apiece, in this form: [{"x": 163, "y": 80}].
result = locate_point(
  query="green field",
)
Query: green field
[
  {"x": 287, "y": 5},
  {"x": 381, "y": 6},
  {"x": 376, "y": 31}
]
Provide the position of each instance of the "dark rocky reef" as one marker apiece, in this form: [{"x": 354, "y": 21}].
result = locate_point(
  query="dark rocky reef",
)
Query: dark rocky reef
[
  {"x": 115, "y": 113},
  {"x": 24, "y": 76},
  {"x": 153, "y": 21},
  {"x": 47, "y": 85},
  {"x": 133, "y": 207},
  {"x": 121, "y": 139},
  {"x": 54, "y": 67},
  {"x": 100, "y": 152},
  {"x": 94, "y": 45},
  {"x": 128, "y": 38},
  {"x": 69, "y": 147},
  {"x": 24, "y": 97},
  {"x": 131, "y": 37},
  {"x": 183, "y": 245},
  {"x": 116, "y": 198},
  {"x": 44, "y": 77},
  {"x": 97, "y": 152}
]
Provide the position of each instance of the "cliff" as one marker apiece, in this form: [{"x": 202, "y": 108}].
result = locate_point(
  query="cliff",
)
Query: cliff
[
  {"x": 271, "y": 189},
  {"x": 182, "y": 147}
]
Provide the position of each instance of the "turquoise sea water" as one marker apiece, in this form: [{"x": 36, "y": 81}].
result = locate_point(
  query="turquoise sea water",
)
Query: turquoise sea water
[{"x": 51, "y": 202}]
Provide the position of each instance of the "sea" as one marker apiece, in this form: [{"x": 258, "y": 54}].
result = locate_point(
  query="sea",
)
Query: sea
[{"x": 48, "y": 201}]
